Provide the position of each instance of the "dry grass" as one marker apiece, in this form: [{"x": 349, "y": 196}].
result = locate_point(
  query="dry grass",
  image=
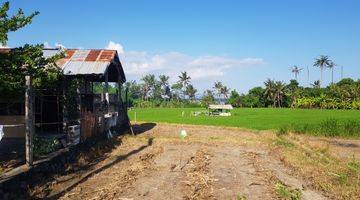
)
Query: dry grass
[{"x": 338, "y": 178}]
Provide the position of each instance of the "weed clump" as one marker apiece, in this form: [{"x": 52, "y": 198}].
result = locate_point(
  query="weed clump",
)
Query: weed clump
[
  {"x": 283, "y": 130},
  {"x": 285, "y": 192}
]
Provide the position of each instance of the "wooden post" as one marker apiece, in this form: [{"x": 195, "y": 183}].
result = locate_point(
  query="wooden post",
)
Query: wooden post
[
  {"x": 106, "y": 91},
  {"x": 29, "y": 121}
]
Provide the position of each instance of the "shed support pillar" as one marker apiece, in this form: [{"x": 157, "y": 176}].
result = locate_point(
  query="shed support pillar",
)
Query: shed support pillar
[{"x": 29, "y": 121}]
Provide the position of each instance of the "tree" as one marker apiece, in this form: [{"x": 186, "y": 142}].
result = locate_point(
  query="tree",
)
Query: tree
[
  {"x": 147, "y": 85},
  {"x": 164, "y": 84},
  {"x": 322, "y": 62},
  {"x": 191, "y": 91},
  {"x": 217, "y": 87},
  {"x": 11, "y": 24},
  {"x": 316, "y": 84},
  {"x": 234, "y": 99},
  {"x": 225, "y": 91},
  {"x": 184, "y": 80},
  {"x": 332, "y": 66},
  {"x": 296, "y": 70},
  {"x": 208, "y": 98},
  {"x": 270, "y": 91},
  {"x": 177, "y": 90},
  {"x": 16, "y": 63},
  {"x": 280, "y": 90}
]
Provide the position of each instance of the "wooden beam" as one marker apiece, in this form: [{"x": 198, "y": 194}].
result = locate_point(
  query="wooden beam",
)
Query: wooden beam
[{"x": 29, "y": 121}]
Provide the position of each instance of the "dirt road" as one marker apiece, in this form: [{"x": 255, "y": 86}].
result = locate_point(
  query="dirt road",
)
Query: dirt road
[{"x": 211, "y": 163}]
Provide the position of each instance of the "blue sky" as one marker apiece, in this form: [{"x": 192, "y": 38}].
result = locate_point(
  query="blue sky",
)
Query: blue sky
[{"x": 241, "y": 43}]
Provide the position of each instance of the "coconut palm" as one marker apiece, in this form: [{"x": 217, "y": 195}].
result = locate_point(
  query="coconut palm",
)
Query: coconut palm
[
  {"x": 270, "y": 91},
  {"x": 184, "y": 80},
  {"x": 191, "y": 91},
  {"x": 296, "y": 70},
  {"x": 225, "y": 91},
  {"x": 217, "y": 87},
  {"x": 280, "y": 90},
  {"x": 164, "y": 84},
  {"x": 316, "y": 84},
  {"x": 148, "y": 84},
  {"x": 331, "y": 66},
  {"x": 322, "y": 62}
]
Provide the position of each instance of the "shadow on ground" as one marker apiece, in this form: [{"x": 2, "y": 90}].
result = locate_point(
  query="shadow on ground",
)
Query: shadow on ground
[
  {"x": 89, "y": 174},
  {"x": 12, "y": 153},
  {"x": 141, "y": 128}
]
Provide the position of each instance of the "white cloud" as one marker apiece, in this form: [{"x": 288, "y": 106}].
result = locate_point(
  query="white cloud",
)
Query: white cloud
[
  {"x": 138, "y": 63},
  {"x": 115, "y": 46},
  {"x": 56, "y": 45}
]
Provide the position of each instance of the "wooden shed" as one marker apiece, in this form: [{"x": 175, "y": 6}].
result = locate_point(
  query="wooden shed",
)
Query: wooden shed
[{"x": 95, "y": 113}]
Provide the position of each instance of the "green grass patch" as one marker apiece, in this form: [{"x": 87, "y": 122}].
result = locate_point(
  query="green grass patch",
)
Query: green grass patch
[
  {"x": 286, "y": 193},
  {"x": 312, "y": 121}
]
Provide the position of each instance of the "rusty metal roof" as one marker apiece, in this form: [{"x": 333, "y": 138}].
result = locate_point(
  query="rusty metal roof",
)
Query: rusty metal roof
[
  {"x": 83, "y": 62},
  {"x": 80, "y": 62}
]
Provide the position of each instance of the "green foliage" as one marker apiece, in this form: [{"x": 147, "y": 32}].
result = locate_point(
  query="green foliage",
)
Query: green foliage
[
  {"x": 287, "y": 193},
  {"x": 13, "y": 23},
  {"x": 43, "y": 146},
  {"x": 208, "y": 98},
  {"x": 234, "y": 99},
  {"x": 22, "y": 61}
]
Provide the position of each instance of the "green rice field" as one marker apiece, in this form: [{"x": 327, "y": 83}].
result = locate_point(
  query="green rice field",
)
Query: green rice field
[{"x": 249, "y": 118}]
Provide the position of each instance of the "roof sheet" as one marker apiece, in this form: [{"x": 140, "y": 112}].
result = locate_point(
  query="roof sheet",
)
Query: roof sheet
[{"x": 225, "y": 107}]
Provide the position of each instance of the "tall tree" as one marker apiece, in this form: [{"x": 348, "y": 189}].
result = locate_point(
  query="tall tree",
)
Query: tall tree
[
  {"x": 270, "y": 91},
  {"x": 280, "y": 89},
  {"x": 332, "y": 66},
  {"x": 191, "y": 91},
  {"x": 217, "y": 87},
  {"x": 184, "y": 79},
  {"x": 164, "y": 84},
  {"x": 148, "y": 84},
  {"x": 322, "y": 62},
  {"x": 225, "y": 92},
  {"x": 296, "y": 70}
]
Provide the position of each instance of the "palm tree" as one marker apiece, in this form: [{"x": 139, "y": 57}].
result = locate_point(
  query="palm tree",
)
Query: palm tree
[
  {"x": 270, "y": 91},
  {"x": 280, "y": 89},
  {"x": 191, "y": 91},
  {"x": 225, "y": 91},
  {"x": 296, "y": 70},
  {"x": 316, "y": 84},
  {"x": 322, "y": 62},
  {"x": 164, "y": 83},
  {"x": 184, "y": 79},
  {"x": 217, "y": 87},
  {"x": 148, "y": 84},
  {"x": 331, "y": 66}
]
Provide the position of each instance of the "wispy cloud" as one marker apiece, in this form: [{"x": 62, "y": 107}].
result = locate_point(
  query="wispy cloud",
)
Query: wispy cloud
[
  {"x": 56, "y": 45},
  {"x": 138, "y": 63}
]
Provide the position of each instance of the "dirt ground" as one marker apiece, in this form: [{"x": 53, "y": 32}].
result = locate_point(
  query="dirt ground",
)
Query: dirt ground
[{"x": 211, "y": 163}]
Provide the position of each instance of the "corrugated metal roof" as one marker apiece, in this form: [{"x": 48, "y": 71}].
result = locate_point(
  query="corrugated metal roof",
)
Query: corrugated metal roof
[
  {"x": 225, "y": 107},
  {"x": 83, "y": 62},
  {"x": 84, "y": 67}
]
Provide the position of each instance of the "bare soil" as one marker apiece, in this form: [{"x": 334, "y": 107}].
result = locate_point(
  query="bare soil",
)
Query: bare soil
[{"x": 211, "y": 163}]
